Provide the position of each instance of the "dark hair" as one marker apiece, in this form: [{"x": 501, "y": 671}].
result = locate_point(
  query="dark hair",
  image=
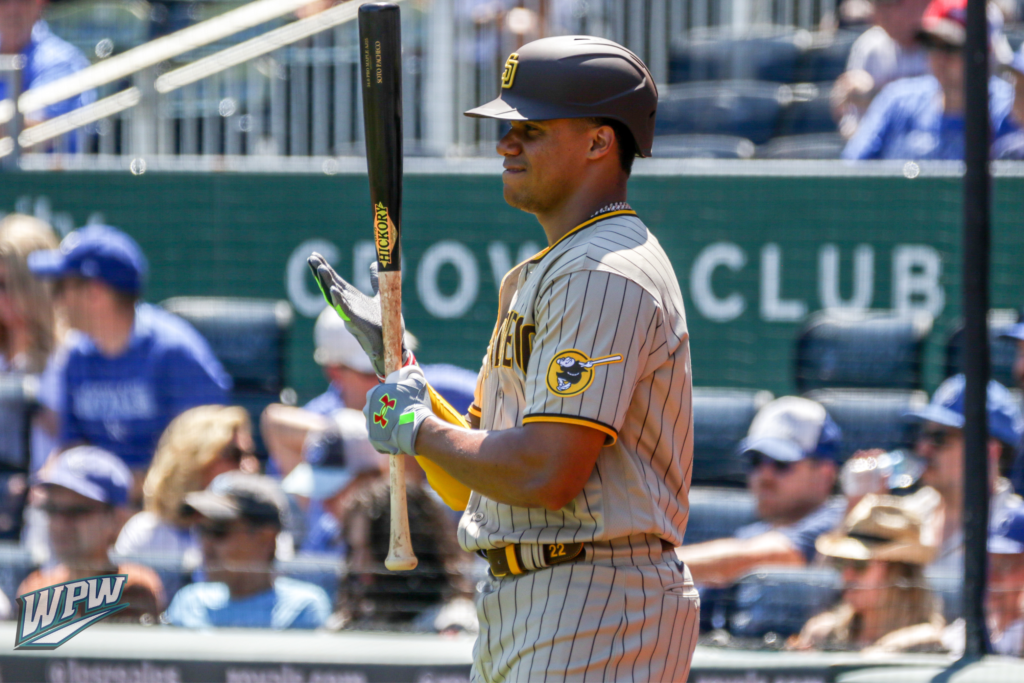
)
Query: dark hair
[
  {"x": 627, "y": 145},
  {"x": 379, "y": 598}
]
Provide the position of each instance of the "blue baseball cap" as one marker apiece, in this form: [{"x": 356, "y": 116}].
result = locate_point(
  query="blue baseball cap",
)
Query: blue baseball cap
[
  {"x": 97, "y": 252},
  {"x": 792, "y": 428},
  {"x": 1006, "y": 533},
  {"x": 947, "y": 408},
  {"x": 89, "y": 471}
]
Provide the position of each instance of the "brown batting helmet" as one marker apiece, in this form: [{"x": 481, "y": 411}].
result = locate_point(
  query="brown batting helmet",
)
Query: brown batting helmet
[{"x": 572, "y": 77}]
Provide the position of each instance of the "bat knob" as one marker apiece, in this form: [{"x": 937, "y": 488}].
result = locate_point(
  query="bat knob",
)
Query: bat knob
[{"x": 398, "y": 562}]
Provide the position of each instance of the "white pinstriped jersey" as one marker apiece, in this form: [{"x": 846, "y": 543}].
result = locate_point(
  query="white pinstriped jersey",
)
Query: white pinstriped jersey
[{"x": 592, "y": 331}]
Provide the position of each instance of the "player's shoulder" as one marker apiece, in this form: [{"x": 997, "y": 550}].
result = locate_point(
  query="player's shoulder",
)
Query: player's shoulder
[
  {"x": 297, "y": 591},
  {"x": 620, "y": 245},
  {"x": 168, "y": 332}
]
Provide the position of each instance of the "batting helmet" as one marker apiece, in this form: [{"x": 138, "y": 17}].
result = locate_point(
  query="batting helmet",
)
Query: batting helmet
[{"x": 572, "y": 77}]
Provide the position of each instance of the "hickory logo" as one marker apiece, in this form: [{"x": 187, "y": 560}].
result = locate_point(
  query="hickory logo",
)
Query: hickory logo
[
  {"x": 570, "y": 372},
  {"x": 50, "y": 617}
]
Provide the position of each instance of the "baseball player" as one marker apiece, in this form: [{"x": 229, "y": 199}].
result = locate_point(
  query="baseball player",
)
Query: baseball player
[{"x": 578, "y": 470}]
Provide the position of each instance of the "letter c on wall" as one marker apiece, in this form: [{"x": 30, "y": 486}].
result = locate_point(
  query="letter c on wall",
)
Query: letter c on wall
[{"x": 712, "y": 307}]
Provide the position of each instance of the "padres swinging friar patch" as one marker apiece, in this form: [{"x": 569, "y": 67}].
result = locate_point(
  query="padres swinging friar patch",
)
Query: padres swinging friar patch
[{"x": 570, "y": 372}]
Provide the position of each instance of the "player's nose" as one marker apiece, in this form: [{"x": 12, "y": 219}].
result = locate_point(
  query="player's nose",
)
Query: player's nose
[{"x": 508, "y": 145}]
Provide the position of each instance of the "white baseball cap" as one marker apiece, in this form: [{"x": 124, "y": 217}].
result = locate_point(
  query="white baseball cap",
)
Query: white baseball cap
[
  {"x": 792, "y": 428},
  {"x": 335, "y": 345}
]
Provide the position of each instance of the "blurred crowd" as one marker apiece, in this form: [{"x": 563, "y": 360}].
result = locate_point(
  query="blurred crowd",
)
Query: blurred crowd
[
  {"x": 879, "y": 79},
  {"x": 137, "y": 464}
]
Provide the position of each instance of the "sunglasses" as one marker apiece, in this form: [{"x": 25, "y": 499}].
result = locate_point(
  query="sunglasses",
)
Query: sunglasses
[
  {"x": 935, "y": 437},
  {"x": 71, "y": 510},
  {"x": 842, "y": 564},
  {"x": 756, "y": 460}
]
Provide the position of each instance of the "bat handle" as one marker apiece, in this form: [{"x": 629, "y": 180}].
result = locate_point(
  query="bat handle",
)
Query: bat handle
[{"x": 400, "y": 553}]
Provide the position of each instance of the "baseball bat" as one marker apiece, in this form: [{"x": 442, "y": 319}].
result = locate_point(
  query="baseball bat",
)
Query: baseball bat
[{"x": 380, "y": 44}]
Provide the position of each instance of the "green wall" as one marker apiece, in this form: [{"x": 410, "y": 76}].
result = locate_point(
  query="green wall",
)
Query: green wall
[{"x": 752, "y": 253}]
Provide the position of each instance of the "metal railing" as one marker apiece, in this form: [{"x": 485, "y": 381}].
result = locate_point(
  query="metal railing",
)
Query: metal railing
[{"x": 292, "y": 89}]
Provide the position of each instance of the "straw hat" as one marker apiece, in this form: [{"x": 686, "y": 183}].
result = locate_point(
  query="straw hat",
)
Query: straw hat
[{"x": 878, "y": 528}]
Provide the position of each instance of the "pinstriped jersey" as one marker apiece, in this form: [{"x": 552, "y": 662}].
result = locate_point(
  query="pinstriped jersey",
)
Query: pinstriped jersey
[{"x": 592, "y": 331}]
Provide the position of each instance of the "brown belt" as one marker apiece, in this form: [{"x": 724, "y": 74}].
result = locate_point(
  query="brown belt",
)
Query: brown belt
[{"x": 518, "y": 559}]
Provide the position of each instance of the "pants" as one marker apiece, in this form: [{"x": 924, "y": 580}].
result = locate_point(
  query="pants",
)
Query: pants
[{"x": 588, "y": 622}]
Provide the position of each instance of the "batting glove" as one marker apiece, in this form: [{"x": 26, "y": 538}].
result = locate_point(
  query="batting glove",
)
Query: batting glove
[
  {"x": 395, "y": 410},
  {"x": 361, "y": 313}
]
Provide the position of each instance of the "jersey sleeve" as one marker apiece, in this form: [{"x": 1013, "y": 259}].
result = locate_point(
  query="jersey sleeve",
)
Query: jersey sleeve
[
  {"x": 194, "y": 378},
  {"x": 593, "y": 335}
]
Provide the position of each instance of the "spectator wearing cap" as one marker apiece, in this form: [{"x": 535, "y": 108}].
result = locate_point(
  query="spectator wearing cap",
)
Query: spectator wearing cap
[
  {"x": 47, "y": 58},
  {"x": 238, "y": 518},
  {"x": 336, "y": 462},
  {"x": 923, "y": 117},
  {"x": 887, "y": 51},
  {"x": 135, "y": 367},
  {"x": 940, "y": 443},
  {"x": 84, "y": 493},
  {"x": 1011, "y": 147},
  {"x": 351, "y": 376},
  {"x": 198, "y": 445},
  {"x": 880, "y": 549},
  {"x": 1016, "y": 334},
  {"x": 792, "y": 449}
]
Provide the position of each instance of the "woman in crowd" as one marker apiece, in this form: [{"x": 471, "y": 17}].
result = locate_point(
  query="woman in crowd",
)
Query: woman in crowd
[
  {"x": 198, "y": 445},
  {"x": 881, "y": 555},
  {"x": 31, "y": 331},
  {"x": 432, "y": 597}
]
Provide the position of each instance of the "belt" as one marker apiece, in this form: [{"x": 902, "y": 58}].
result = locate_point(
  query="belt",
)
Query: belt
[{"x": 518, "y": 558}]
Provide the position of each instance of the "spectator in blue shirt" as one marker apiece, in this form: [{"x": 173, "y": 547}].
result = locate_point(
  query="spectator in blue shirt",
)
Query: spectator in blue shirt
[
  {"x": 792, "y": 447},
  {"x": 239, "y": 518},
  {"x": 47, "y": 57},
  {"x": 1012, "y": 146},
  {"x": 923, "y": 117},
  {"x": 135, "y": 367}
]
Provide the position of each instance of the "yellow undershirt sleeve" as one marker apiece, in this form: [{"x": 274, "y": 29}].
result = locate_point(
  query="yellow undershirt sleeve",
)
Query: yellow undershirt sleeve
[{"x": 454, "y": 493}]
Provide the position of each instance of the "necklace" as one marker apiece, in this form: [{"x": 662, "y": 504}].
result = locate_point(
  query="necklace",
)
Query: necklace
[{"x": 614, "y": 206}]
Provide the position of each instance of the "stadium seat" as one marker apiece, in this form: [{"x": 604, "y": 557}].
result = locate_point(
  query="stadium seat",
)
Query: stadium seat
[
  {"x": 809, "y": 146},
  {"x": 807, "y": 110},
  {"x": 721, "y": 418},
  {"x": 717, "y": 513},
  {"x": 1002, "y": 352},
  {"x": 861, "y": 350},
  {"x": 826, "y": 57},
  {"x": 748, "y": 109},
  {"x": 250, "y": 338},
  {"x": 767, "y": 53},
  {"x": 871, "y": 418},
  {"x": 696, "y": 146},
  {"x": 781, "y": 600}
]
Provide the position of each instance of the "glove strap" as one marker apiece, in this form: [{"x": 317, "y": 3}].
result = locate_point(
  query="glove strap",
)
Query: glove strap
[{"x": 410, "y": 361}]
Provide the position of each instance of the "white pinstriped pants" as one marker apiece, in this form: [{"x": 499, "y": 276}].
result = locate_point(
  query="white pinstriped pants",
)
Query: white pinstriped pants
[{"x": 588, "y": 622}]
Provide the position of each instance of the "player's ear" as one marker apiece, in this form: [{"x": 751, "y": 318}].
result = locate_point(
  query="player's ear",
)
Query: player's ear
[{"x": 602, "y": 142}]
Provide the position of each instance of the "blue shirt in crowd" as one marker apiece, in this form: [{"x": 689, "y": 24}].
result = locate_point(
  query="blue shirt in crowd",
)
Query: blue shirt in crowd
[
  {"x": 124, "y": 403},
  {"x": 906, "y": 121},
  {"x": 803, "y": 533},
  {"x": 289, "y": 604},
  {"x": 48, "y": 58},
  {"x": 327, "y": 402}
]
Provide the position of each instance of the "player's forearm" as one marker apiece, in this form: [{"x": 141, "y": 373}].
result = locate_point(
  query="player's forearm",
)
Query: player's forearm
[{"x": 509, "y": 466}]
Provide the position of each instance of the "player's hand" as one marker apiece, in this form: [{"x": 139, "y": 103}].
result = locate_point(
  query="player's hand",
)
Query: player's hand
[
  {"x": 395, "y": 410},
  {"x": 361, "y": 313}
]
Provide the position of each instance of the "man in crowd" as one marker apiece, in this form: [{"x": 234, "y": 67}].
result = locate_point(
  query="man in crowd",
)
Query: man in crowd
[
  {"x": 336, "y": 462},
  {"x": 239, "y": 517},
  {"x": 792, "y": 447},
  {"x": 885, "y": 52},
  {"x": 84, "y": 493},
  {"x": 941, "y": 444},
  {"x": 351, "y": 375},
  {"x": 923, "y": 117},
  {"x": 47, "y": 57},
  {"x": 135, "y": 367}
]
